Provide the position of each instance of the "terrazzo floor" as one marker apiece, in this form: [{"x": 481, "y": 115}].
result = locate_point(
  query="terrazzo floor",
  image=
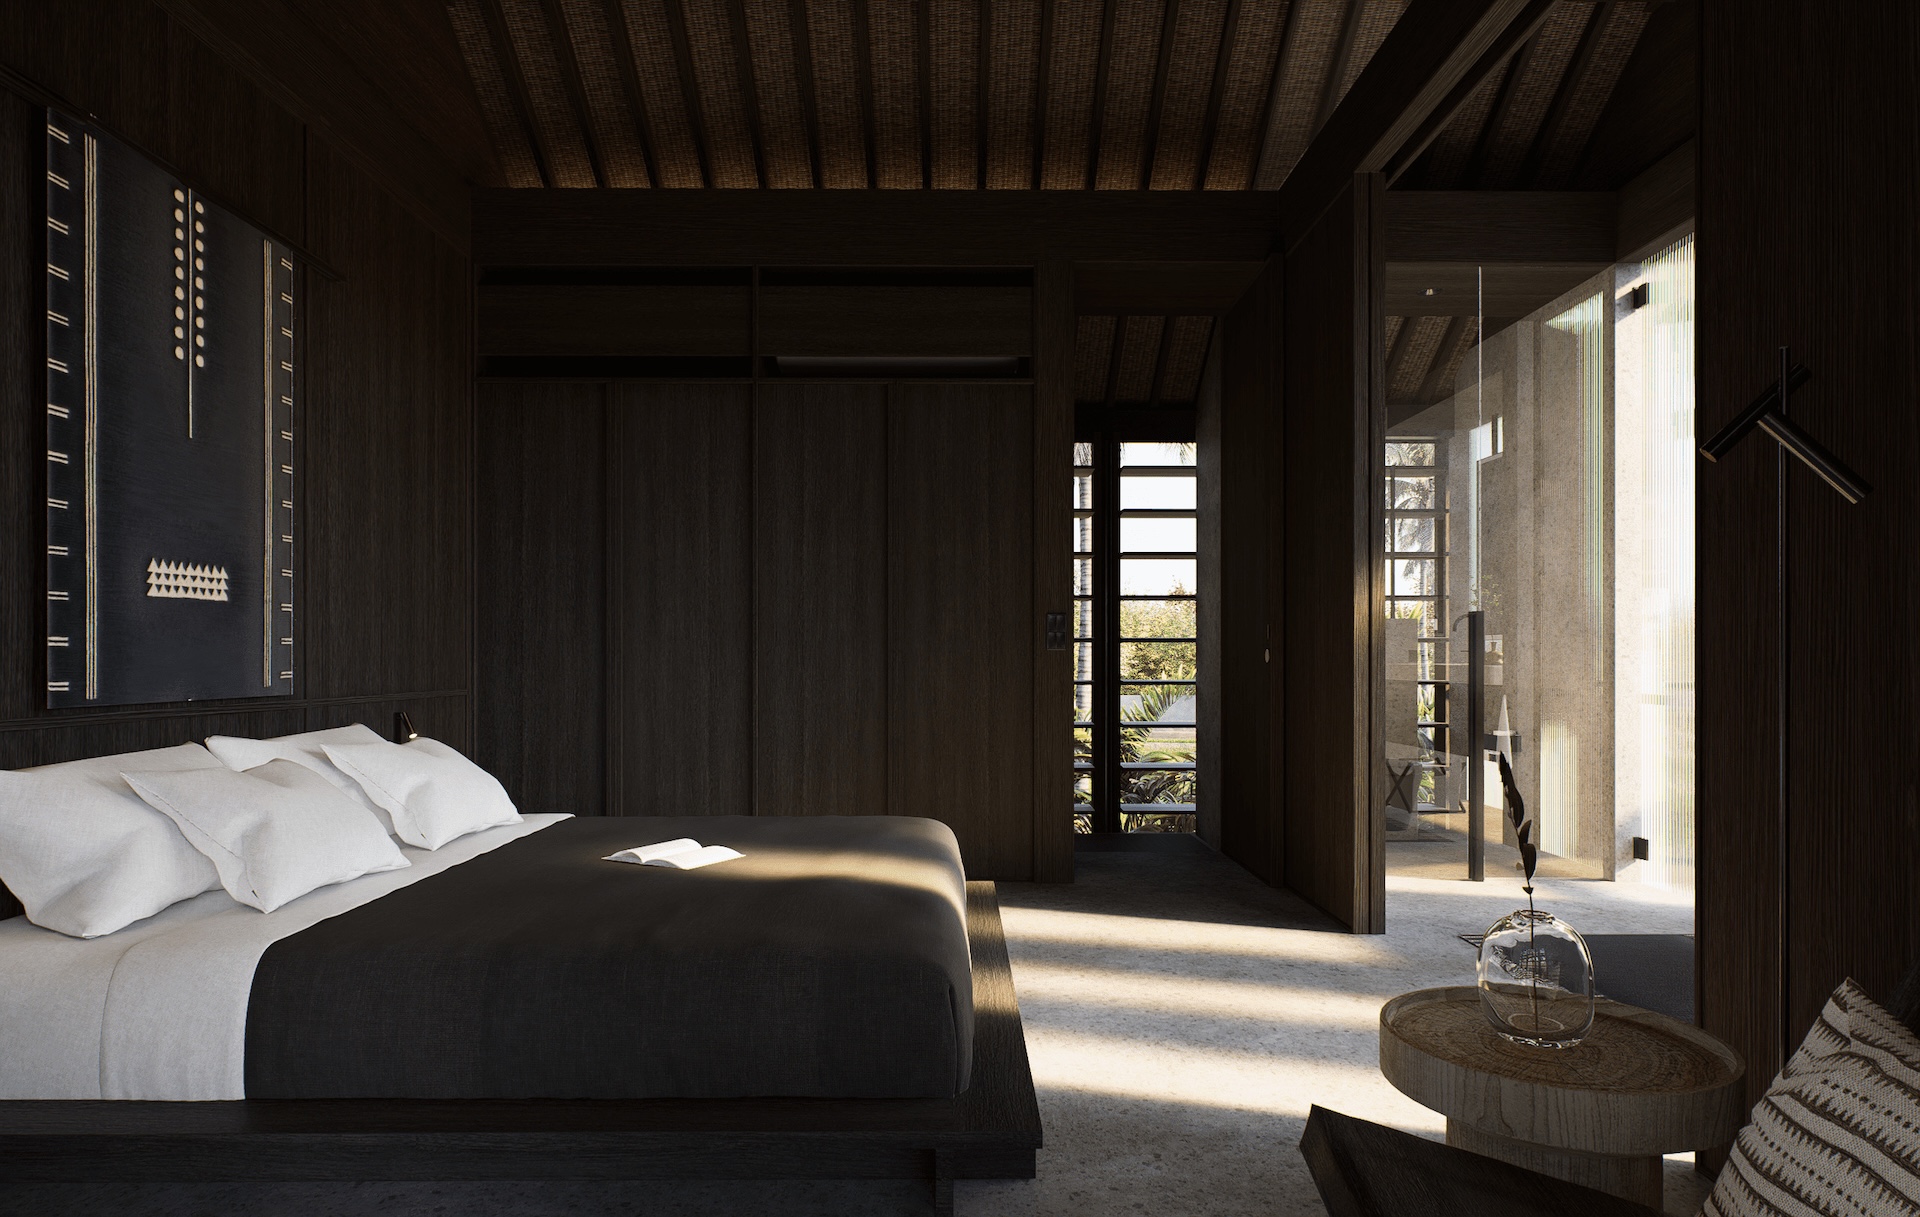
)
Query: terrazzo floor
[{"x": 1181, "y": 1018}]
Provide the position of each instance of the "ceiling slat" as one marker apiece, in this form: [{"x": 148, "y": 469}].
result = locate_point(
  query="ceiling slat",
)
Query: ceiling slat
[
  {"x": 664, "y": 79},
  {"x": 1313, "y": 30},
  {"x": 1448, "y": 160},
  {"x": 1092, "y": 357},
  {"x": 953, "y": 43},
  {"x": 1010, "y": 119},
  {"x": 803, "y": 70},
  {"x": 1192, "y": 65},
  {"x": 1619, "y": 30},
  {"x": 1245, "y": 84},
  {"x": 1569, "y": 84},
  {"x": 731, "y": 152},
  {"x": 1071, "y": 71},
  {"x": 896, "y": 94},
  {"x": 556, "y": 127},
  {"x": 1444, "y": 370},
  {"x": 837, "y": 93},
  {"x": 1421, "y": 346},
  {"x": 589, "y": 46},
  {"x": 1372, "y": 21},
  {"x": 509, "y": 136},
  {"x": 1139, "y": 356},
  {"x": 1537, "y": 72},
  {"x": 1186, "y": 359},
  {"x": 1133, "y": 59},
  {"x": 780, "y": 117}
]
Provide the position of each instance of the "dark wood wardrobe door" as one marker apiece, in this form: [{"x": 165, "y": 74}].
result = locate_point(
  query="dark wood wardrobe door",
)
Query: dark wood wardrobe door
[
  {"x": 959, "y": 616},
  {"x": 681, "y": 627},
  {"x": 540, "y": 593},
  {"x": 820, "y": 600}
]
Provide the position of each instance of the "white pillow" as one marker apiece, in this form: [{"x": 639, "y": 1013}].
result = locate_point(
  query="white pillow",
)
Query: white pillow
[
  {"x": 239, "y": 752},
  {"x": 84, "y": 855},
  {"x": 432, "y": 792},
  {"x": 274, "y": 832}
]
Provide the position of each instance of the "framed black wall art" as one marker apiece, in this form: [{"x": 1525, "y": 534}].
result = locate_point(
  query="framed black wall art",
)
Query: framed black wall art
[{"x": 170, "y": 407}]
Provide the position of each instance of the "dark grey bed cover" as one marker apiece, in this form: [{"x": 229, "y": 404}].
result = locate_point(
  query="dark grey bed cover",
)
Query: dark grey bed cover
[{"x": 830, "y": 961}]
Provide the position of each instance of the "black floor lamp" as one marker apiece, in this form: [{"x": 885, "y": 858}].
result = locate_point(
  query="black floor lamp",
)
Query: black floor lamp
[{"x": 1769, "y": 413}]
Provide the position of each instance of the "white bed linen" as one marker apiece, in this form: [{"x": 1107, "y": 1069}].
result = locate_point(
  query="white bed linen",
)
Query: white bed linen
[{"x": 159, "y": 1009}]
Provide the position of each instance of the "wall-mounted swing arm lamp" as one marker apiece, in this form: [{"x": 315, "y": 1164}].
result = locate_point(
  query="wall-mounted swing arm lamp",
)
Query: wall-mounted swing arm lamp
[{"x": 1766, "y": 414}]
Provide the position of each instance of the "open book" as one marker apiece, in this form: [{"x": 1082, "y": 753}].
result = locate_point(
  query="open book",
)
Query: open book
[{"x": 683, "y": 854}]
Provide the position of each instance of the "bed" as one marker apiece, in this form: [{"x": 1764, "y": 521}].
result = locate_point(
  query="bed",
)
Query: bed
[{"x": 834, "y": 1004}]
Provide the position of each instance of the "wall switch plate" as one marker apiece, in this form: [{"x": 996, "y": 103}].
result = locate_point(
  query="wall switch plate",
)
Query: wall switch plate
[
  {"x": 1056, "y": 631},
  {"x": 1642, "y": 849}
]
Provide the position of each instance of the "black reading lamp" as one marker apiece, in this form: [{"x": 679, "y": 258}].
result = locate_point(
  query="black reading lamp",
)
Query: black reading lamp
[
  {"x": 403, "y": 731},
  {"x": 1769, "y": 413}
]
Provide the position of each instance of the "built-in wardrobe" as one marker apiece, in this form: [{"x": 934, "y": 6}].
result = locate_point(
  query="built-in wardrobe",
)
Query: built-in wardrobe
[{"x": 767, "y": 548}]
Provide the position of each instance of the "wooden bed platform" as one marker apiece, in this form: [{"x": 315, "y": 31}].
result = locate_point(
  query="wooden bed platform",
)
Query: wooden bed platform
[{"x": 989, "y": 1132}]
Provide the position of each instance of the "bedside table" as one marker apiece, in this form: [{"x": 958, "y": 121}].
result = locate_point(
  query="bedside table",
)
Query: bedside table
[{"x": 1599, "y": 1114}]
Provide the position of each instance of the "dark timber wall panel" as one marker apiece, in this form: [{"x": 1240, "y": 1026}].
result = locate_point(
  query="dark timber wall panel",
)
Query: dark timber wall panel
[
  {"x": 1807, "y": 240},
  {"x": 959, "y": 589},
  {"x": 540, "y": 605},
  {"x": 1333, "y": 416},
  {"x": 1250, "y": 626},
  {"x": 386, "y": 425},
  {"x": 820, "y": 600},
  {"x": 680, "y": 499},
  {"x": 382, "y": 463}
]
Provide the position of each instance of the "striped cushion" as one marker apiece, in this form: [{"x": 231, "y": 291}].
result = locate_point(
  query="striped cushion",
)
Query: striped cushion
[{"x": 1838, "y": 1132}]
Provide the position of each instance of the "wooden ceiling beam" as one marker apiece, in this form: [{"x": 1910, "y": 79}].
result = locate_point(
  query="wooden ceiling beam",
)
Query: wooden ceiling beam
[
  {"x": 1431, "y": 49},
  {"x": 1571, "y": 82},
  {"x": 1157, "y": 101},
  {"x": 1501, "y": 225},
  {"x": 1216, "y": 93},
  {"x": 1516, "y": 35},
  {"x": 866, "y": 228},
  {"x": 1443, "y": 361},
  {"x": 690, "y": 88},
  {"x": 508, "y": 55},
  {"x": 636, "y": 97},
  {"x": 801, "y": 34},
  {"x": 598, "y": 154},
  {"x": 749, "y": 87},
  {"x": 1337, "y": 66}
]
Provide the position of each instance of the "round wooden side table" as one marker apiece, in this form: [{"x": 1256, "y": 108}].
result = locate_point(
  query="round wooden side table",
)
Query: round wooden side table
[{"x": 1600, "y": 1113}]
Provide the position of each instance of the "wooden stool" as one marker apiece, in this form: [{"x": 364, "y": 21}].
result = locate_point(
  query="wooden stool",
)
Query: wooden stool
[{"x": 1599, "y": 1114}]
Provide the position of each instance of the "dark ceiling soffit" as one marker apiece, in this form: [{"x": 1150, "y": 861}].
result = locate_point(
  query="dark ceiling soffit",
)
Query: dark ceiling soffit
[
  {"x": 1501, "y": 225},
  {"x": 1137, "y": 424},
  {"x": 1168, "y": 288},
  {"x": 1432, "y": 47},
  {"x": 866, "y": 227},
  {"x": 302, "y": 71}
]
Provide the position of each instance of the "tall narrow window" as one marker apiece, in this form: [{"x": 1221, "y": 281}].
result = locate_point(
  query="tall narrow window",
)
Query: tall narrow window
[
  {"x": 1135, "y": 637},
  {"x": 1156, "y": 613},
  {"x": 1086, "y": 716}
]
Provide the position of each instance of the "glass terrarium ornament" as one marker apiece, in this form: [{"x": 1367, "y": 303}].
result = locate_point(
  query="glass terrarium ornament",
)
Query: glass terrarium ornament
[{"x": 1536, "y": 974}]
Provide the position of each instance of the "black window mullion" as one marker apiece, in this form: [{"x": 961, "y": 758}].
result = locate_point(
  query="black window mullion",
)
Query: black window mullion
[{"x": 1106, "y": 538}]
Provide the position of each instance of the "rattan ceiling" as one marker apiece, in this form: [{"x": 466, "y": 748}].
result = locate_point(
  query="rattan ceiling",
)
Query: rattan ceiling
[{"x": 1013, "y": 95}]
